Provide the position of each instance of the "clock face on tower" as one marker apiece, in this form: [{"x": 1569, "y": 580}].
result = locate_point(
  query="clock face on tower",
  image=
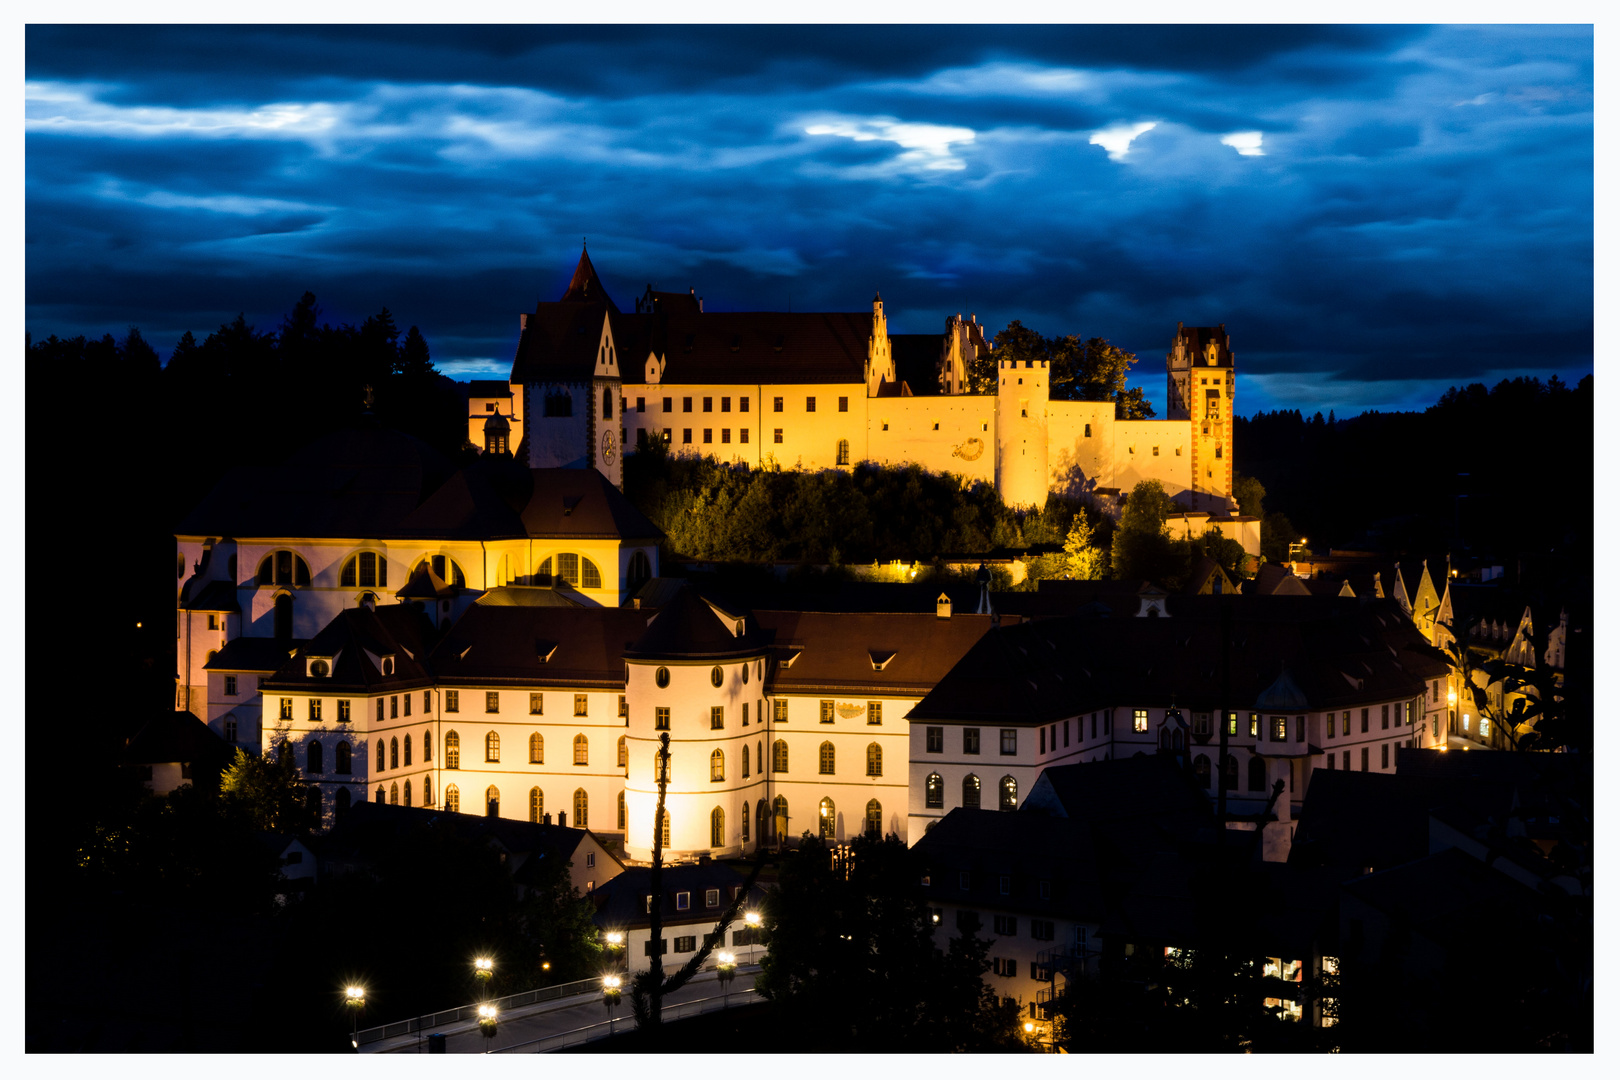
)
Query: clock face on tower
[{"x": 608, "y": 449}]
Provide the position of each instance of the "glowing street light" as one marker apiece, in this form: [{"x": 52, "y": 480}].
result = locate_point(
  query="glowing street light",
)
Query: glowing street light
[
  {"x": 725, "y": 971},
  {"x": 488, "y": 1018},
  {"x": 483, "y": 969},
  {"x": 753, "y": 921},
  {"x": 354, "y": 997},
  {"x": 610, "y": 997}
]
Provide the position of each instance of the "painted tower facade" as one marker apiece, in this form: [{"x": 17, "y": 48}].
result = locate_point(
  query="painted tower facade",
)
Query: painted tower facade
[{"x": 1201, "y": 384}]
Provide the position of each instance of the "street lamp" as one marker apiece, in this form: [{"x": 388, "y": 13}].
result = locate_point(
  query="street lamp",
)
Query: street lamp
[
  {"x": 355, "y": 998},
  {"x": 483, "y": 970},
  {"x": 488, "y": 1018},
  {"x": 610, "y": 997},
  {"x": 753, "y": 920},
  {"x": 725, "y": 971}
]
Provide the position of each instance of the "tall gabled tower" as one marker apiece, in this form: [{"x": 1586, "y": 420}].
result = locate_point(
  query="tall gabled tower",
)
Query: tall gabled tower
[
  {"x": 1201, "y": 381},
  {"x": 879, "y": 354}
]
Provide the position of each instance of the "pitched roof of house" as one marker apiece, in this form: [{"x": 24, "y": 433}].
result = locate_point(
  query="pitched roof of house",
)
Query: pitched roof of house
[
  {"x": 585, "y": 287},
  {"x": 622, "y": 902},
  {"x": 253, "y": 654},
  {"x": 366, "y": 827},
  {"x": 866, "y": 653},
  {"x": 1358, "y": 819},
  {"x": 574, "y": 646},
  {"x": 1028, "y": 849},
  {"x": 351, "y": 640},
  {"x": 175, "y": 736},
  {"x": 496, "y": 498},
  {"x": 755, "y": 347},
  {"x": 1339, "y": 651},
  {"x": 1145, "y": 787}
]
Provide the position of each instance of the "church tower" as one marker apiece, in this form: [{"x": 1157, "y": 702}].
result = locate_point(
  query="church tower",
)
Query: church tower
[
  {"x": 1201, "y": 383},
  {"x": 879, "y": 353},
  {"x": 1022, "y": 393}
]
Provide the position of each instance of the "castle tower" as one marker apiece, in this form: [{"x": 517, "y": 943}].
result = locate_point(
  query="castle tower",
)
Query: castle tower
[
  {"x": 1201, "y": 382},
  {"x": 1022, "y": 392},
  {"x": 879, "y": 354}
]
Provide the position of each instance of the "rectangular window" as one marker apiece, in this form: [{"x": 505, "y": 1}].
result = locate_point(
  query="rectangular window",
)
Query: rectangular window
[
  {"x": 1009, "y": 740},
  {"x": 936, "y": 740},
  {"x": 742, "y": 404},
  {"x": 1065, "y": 733},
  {"x": 843, "y": 404},
  {"x": 407, "y": 704},
  {"x": 492, "y": 701},
  {"x": 1093, "y": 725},
  {"x": 669, "y": 405},
  {"x": 1006, "y": 885},
  {"x": 1330, "y": 725},
  {"x": 661, "y": 718},
  {"x": 826, "y": 712},
  {"x": 809, "y": 404},
  {"x": 725, "y": 435},
  {"x": 641, "y": 404},
  {"x": 683, "y": 901},
  {"x": 1299, "y": 729},
  {"x": 1043, "y": 741},
  {"x": 686, "y": 404},
  {"x": 725, "y": 404},
  {"x": 1330, "y": 761},
  {"x": 582, "y": 705},
  {"x": 1139, "y": 720},
  {"x": 1046, "y": 891},
  {"x": 717, "y": 718},
  {"x": 686, "y": 435},
  {"x": 742, "y": 435},
  {"x": 1155, "y": 451},
  {"x": 777, "y": 405},
  {"x": 1231, "y": 723},
  {"x": 970, "y": 740},
  {"x": 213, "y": 622},
  {"x": 1006, "y": 925},
  {"x": 314, "y": 708},
  {"x": 1364, "y": 755},
  {"x": 1385, "y": 755},
  {"x": 286, "y": 708},
  {"x": 874, "y": 712},
  {"x": 779, "y": 710},
  {"x": 708, "y": 435},
  {"x": 1364, "y": 721},
  {"x": 452, "y": 701},
  {"x": 381, "y": 708},
  {"x": 708, "y": 404},
  {"x": 961, "y": 883},
  {"x": 1347, "y": 761},
  {"x": 393, "y": 706},
  {"x": 537, "y": 704},
  {"x": 778, "y": 437},
  {"x": 1042, "y": 929},
  {"x": 230, "y": 686},
  {"x": 1279, "y": 729},
  {"x": 343, "y": 710},
  {"x": 1088, "y": 431},
  {"x": 647, "y": 946},
  {"x": 624, "y": 706},
  {"x": 1386, "y": 717},
  {"x": 711, "y": 898}
]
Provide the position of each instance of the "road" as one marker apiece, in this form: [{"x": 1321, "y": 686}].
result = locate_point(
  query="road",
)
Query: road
[{"x": 550, "y": 1018}]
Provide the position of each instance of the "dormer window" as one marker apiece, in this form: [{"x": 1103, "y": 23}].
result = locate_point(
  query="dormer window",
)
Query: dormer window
[
  {"x": 388, "y": 664},
  {"x": 319, "y": 668}
]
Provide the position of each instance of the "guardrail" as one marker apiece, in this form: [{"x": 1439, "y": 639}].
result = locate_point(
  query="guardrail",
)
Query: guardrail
[
  {"x": 601, "y": 1030},
  {"x": 434, "y": 1021}
]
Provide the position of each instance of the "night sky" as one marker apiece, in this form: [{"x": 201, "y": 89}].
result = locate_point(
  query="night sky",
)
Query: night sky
[{"x": 1375, "y": 213}]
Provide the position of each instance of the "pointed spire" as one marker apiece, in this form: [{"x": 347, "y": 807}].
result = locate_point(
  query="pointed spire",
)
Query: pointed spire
[{"x": 585, "y": 286}]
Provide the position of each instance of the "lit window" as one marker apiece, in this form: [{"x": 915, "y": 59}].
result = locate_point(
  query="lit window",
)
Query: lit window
[
  {"x": 717, "y": 765},
  {"x": 452, "y": 750},
  {"x": 1139, "y": 720},
  {"x": 537, "y": 749},
  {"x": 537, "y": 704},
  {"x": 582, "y": 748},
  {"x": 934, "y": 792},
  {"x": 874, "y": 760},
  {"x": 827, "y": 755}
]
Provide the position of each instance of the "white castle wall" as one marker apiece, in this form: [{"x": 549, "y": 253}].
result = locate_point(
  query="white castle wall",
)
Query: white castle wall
[{"x": 953, "y": 434}]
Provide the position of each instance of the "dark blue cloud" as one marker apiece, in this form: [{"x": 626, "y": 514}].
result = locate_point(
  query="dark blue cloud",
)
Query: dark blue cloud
[{"x": 1374, "y": 213}]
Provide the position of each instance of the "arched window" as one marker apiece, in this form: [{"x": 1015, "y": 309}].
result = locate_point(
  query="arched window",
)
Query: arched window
[
  {"x": 581, "y": 809},
  {"x": 745, "y": 823},
  {"x": 779, "y": 759},
  {"x": 537, "y": 803},
  {"x": 312, "y": 801},
  {"x": 343, "y": 798},
  {"x": 582, "y": 750},
  {"x": 624, "y": 752},
  {"x": 382, "y": 755},
  {"x": 663, "y": 838},
  {"x": 828, "y": 814},
  {"x": 1257, "y": 774},
  {"x": 639, "y": 573},
  {"x": 283, "y": 568},
  {"x": 1229, "y": 773},
  {"x": 1177, "y": 741},
  {"x": 407, "y": 751},
  {"x": 717, "y": 765},
  {"x": 1164, "y": 738},
  {"x": 1009, "y": 793},
  {"x": 446, "y": 568},
  {"x": 393, "y": 794},
  {"x": 717, "y": 828},
  {"x": 572, "y": 569},
  {"x": 492, "y": 801},
  {"x": 316, "y": 765},
  {"x": 340, "y": 763},
  {"x": 230, "y": 728},
  {"x": 537, "y": 749},
  {"x": 779, "y": 811},
  {"x": 382, "y": 796},
  {"x": 745, "y": 767},
  {"x": 492, "y": 746},
  {"x": 452, "y": 750},
  {"x": 282, "y": 619},
  {"x": 607, "y": 403},
  {"x": 621, "y": 809},
  {"x": 367, "y": 570},
  {"x": 934, "y": 792},
  {"x": 874, "y": 818},
  {"x": 393, "y": 753},
  {"x": 843, "y": 451},
  {"x": 452, "y": 799},
  {"x": 427, "y": 791},
  {"x": 827, "y": 759},
  {"x": 874, "y": 759},
  {"x": 970, "y": 791},
  {"x": 427, "y": 746},
  {"x": 1201, "y": 770},
  {"x": 407, "y": 793}
]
